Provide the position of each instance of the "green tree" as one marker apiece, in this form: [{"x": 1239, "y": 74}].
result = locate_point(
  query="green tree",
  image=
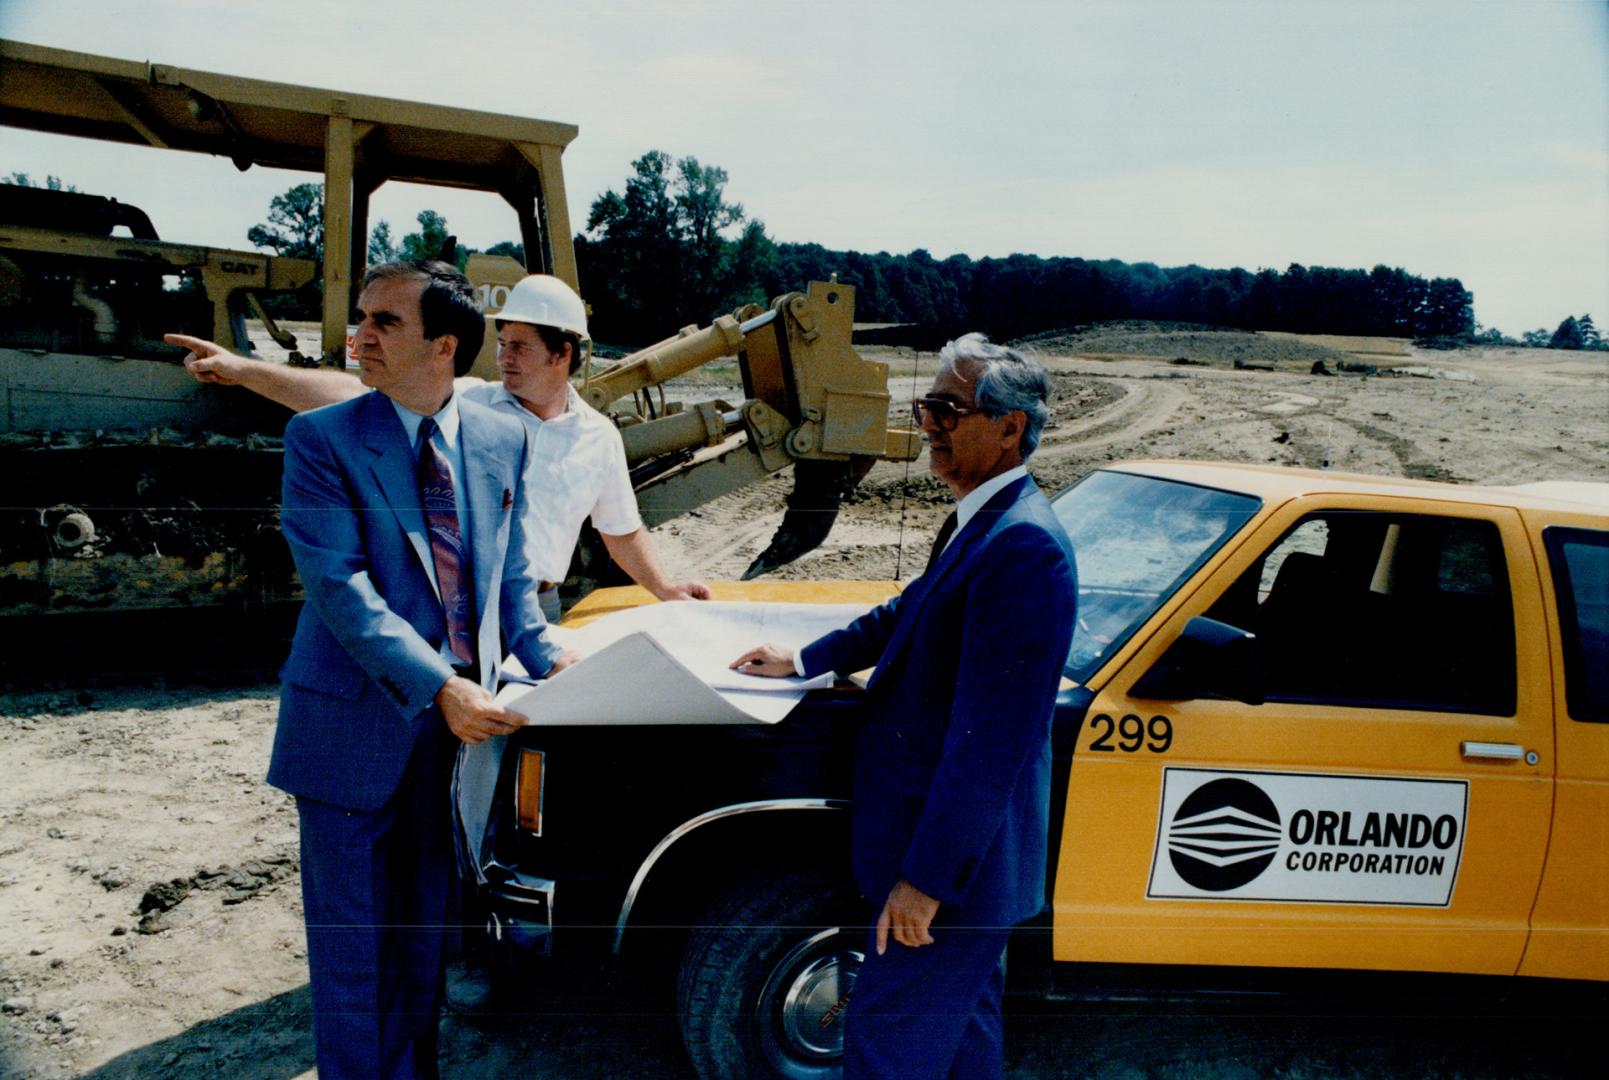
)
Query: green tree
[
  {"x": 1590, "y": 338},
  {"x": 52, "y": 183},
  {"x": 703, "y": 214},
  {"x": 701, "y": 202},
  {"x": 429, "y": 240},
  {"x": 1568, "y": 335},
  {"x": 1536, "y": 339},
  {"x": 382, "y": 249},
  {"x": 750, "y": 268},
  {"x": 295, "y": 225},
  {"x": 1448, "y": 310},
  {"x": 634, "y": 268},
  {"x": 512, "y": 248},
  {"x": 657, "y": 257}
]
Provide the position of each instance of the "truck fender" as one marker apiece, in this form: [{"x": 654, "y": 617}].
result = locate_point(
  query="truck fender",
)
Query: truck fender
[{"x": 681, "y": 832}]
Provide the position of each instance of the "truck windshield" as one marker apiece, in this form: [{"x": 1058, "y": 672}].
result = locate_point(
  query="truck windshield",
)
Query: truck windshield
[{"x": 1136, "y": 539}]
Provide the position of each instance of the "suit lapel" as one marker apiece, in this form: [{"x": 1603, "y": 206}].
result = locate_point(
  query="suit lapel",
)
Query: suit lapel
[
  {"x": 914, "y": 597},
  {"x": 393, "y": 468}
]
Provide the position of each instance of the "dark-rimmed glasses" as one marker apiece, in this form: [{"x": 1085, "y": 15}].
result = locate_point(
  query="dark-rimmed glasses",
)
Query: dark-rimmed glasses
[{"x": 946, "y": 414}]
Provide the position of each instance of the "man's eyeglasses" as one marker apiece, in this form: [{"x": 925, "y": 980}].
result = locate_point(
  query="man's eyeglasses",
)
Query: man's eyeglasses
[{"x": 946, "y": 414}]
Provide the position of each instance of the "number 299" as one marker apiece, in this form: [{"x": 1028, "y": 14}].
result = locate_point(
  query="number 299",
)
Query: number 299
[{"x": 1130, "y": 733}]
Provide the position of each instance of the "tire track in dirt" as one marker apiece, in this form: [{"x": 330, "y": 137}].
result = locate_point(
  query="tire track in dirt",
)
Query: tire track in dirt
[
  {"x": 1412, "y": 463},
  {"x": 1147, "y": 404},
  {"x": 722, "y": 545}
]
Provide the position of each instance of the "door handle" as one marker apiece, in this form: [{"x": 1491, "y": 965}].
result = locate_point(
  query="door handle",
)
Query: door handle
[{"x": 1491, "y": 751}]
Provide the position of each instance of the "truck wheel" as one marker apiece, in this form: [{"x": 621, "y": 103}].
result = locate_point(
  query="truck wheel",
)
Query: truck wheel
[{"x": 765, "y": 977}]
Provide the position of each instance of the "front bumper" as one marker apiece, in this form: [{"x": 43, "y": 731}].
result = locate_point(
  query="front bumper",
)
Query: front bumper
[{"x": 520, "y": 909}]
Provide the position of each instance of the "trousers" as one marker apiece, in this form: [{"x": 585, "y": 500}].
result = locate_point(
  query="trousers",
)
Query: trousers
[
  {"x": 931, "y": 1012},
  {"x": 374, "y": 896}
]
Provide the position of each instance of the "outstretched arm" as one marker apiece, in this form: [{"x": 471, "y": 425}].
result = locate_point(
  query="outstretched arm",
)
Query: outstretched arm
[
  {"x": 634, "y": 551},
  {"x": 300, "y": 389},
  {"x": 858, "y": 645}
]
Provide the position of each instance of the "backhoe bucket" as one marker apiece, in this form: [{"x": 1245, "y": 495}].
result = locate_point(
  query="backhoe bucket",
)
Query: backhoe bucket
[{"x": 819, "y": 488}]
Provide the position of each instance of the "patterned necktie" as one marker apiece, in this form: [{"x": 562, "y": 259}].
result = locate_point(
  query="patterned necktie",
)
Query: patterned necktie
[
  {"x": 446, "y": 542},
  {"x": 946, "y": 531}
]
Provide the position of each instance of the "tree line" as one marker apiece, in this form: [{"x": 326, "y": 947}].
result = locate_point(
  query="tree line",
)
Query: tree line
[{"x": 668, "y": 249}]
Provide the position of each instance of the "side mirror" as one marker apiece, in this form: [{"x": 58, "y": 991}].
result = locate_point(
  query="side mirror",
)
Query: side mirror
[{"x": 1210, "y": 659}]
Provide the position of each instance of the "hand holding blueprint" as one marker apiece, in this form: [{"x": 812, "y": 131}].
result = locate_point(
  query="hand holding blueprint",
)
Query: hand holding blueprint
[{"x": 667, "y": 664}]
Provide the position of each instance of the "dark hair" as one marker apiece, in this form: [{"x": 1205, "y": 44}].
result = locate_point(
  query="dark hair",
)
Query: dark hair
[
  {"x": 553, "y": 339},
  {"x": 446, "y": 306}
]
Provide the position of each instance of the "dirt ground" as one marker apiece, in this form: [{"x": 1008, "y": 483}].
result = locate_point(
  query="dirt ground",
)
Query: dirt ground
[
  {"x": 150, "y": 917},
  {"x": 1479, "y": 416}
]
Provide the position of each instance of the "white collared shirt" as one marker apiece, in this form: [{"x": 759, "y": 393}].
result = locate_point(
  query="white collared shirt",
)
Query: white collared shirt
[
  {"x": 979, "y": 497},
  {"x": 577, "y": 470}
]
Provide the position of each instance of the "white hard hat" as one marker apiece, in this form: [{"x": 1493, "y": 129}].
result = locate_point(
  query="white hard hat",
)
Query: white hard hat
[{"x": 544, "y": 300}]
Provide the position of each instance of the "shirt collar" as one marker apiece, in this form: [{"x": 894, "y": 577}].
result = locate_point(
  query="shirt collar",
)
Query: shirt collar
[
  {"x": 504, "y": 396},
  {"x": 572, "y": 402},
  {"x": 979, "y": 497},
  {"x": 446, "y": 419}
]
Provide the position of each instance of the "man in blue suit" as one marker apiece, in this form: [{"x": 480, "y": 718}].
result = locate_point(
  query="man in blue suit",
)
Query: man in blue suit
[
  {"x": 952, "y": 761},
  {"x": 403, "y": 510}
]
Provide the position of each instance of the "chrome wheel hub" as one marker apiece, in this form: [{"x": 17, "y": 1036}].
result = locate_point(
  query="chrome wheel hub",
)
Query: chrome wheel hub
[{"x": 805, "y": 998}]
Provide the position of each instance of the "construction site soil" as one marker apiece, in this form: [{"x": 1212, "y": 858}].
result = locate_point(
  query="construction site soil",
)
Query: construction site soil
[{"x": 150, "y": 915}]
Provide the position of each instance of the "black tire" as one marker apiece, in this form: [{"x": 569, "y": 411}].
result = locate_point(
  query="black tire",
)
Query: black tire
[{"x": 765, "y": 976}]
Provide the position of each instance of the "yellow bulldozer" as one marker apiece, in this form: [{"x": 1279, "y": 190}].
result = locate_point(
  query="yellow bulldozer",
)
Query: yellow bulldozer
[{"x": 136, "y": 488}]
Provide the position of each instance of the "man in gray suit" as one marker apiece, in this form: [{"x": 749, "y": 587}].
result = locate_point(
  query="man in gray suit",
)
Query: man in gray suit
[{"x": 403, "y": 510}]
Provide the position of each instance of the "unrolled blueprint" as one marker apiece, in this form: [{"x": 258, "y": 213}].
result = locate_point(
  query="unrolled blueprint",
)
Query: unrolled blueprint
[{"x": 668, "y": 664}]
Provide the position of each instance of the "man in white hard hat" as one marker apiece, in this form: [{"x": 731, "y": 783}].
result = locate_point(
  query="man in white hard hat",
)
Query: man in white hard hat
[{"x": 578, "y": 464}]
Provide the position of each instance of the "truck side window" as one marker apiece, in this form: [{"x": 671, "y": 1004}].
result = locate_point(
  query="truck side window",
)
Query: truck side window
[
  {"x": 1580, "y": 559},
  {"x": 1382, "y": 610}
]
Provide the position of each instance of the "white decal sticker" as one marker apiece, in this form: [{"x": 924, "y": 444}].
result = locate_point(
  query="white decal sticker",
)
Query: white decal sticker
[{"x": 1308, "y": 837}]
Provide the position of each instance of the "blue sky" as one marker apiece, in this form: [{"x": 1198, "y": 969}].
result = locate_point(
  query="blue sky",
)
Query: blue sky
[{"x": 1466, "y": 139}]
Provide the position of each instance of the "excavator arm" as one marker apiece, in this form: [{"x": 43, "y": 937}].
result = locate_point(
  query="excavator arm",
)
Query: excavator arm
[{"x": 810, "y": 401}]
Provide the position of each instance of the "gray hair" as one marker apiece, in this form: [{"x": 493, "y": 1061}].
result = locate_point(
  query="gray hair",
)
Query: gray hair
[{"x": 1008, "y": 382}]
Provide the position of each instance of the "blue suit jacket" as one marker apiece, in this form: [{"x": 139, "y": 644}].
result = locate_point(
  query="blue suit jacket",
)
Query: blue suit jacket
[
  {"x": 365, "y": 663},
  {"x": 952, "y": 762}
]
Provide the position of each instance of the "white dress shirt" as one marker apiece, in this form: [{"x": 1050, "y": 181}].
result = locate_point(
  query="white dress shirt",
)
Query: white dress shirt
[
  {"x": 577, "y": 470},
  {"x": 979, "y": 497}
]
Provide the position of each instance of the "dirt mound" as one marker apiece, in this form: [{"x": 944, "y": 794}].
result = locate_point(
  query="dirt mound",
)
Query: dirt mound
[{"x": 1182, "y": 343}]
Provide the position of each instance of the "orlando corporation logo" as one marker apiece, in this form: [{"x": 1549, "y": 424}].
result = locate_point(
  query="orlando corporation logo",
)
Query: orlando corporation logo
[{"x": 1223, "y": 835}]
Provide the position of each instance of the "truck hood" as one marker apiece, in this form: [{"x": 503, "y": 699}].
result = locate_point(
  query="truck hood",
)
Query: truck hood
[{"x": 870, "y": 593}]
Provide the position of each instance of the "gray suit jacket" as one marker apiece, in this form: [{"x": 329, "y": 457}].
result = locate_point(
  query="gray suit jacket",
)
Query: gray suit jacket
[{"x": 365, "y": 664}]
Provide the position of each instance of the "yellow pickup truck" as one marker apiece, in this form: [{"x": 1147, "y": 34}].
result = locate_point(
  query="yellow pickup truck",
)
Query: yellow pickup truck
[
  {"x": 1311, "y": 724},
  {"x": 1415, "y": 775}
]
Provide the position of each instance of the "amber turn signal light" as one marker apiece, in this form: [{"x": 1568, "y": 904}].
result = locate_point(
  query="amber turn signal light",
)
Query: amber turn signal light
[{"x": 529, "y": 785}]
